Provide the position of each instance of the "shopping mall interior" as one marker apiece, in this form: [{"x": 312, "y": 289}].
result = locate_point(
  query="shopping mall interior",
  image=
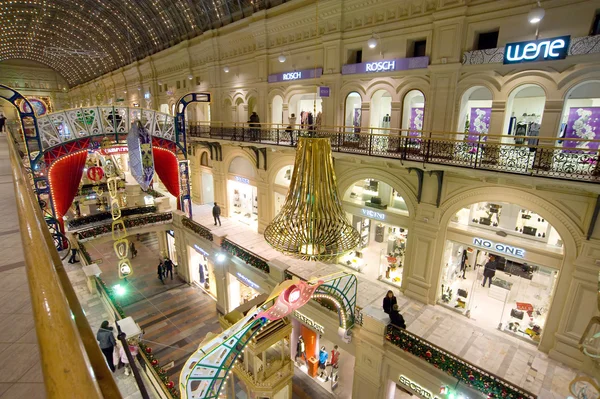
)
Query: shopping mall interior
[{"x": 293, "y": 199}]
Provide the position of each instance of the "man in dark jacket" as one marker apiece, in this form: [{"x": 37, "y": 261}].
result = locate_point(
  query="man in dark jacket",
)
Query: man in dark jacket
[
  {"x": 254, "y": 126},
  {"x": 168, "y": 268},
  {"x": 217, "y": 214},
  {"x": 489, "y": 271},
  {"x": 396, "y": 318}
]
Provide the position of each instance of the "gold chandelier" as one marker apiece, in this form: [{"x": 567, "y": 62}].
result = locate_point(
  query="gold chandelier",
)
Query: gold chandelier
[{"x": 312, "y": 224}]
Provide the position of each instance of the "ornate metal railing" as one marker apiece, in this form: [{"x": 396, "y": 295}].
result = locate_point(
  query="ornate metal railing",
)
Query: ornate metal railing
[
  {"x": 465, "y": 372},
  {"x": 572, "y": 159},
  {"x": 98, "y": 231},
  {"x": 197, "y": 228},
  {"x": 249, "y": 257}
]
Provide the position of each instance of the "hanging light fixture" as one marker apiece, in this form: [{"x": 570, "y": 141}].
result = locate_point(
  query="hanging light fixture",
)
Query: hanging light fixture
[
  {"x": 226, "y": 69},
  {"x": 312, "y": 224},
  {"x": 190, "y": 77},
  {"x": 372, "y": 42},
  {"x": 536, "y": 14},
  {"x": 282, "y": 58}
]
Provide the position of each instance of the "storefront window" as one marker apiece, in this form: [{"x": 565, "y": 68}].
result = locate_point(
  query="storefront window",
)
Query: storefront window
[
  {"x": 381, "y": 109},
  {"x": 282, "y": 182},
  {"x": 524, "y": 111},
  {"x": 240, "y": 290},
  {"x": 376, "y": 195},
  {"x": 510, "y": 219},
  {"x": 277, "y": 110},
  {"x": 475, "y": 112},
  {"x": 308, "y": 109},
  {"x": 242, "y": 194},
  {"x": 202, "y": 270},
  {"x": 353, "y": 112},
  {"x": 171, "y": 250},
  {"x": 581, "y": 116},
  {"x": 413, "y": 112}
]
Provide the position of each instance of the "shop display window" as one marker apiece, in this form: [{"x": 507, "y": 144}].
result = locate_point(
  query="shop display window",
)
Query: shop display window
[
  {"x": 580, "y": 117},
  {"x": 239, "y": 292},
  {"x": 524, "y": 111},
  {"x": 517, "y": 299},
  {"x": 202, "y": 271},
  {"x": 377, "y": 195},
  {"x": 243, "y": 203}
]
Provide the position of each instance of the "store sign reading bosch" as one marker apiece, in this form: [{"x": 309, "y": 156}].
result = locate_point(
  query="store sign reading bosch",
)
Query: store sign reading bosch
[
  {"x": 502, "y": 248},
  {"x": 398, "y": 64},
  {"x": 537, "y": 50}
]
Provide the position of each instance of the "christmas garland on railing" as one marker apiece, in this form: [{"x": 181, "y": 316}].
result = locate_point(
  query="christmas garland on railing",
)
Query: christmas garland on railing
[
  {"x": 146, "y": 351},
  {"x": 111, "y": 296},
  {"x": 129, "y": 223},
  {"x": 85, "y": 254},
  {"x": 248, "y": 257},
  {"x": 98, "y": 217},
  {"x": 197, "y": 228},
  {"x": 464, "y": 372}
]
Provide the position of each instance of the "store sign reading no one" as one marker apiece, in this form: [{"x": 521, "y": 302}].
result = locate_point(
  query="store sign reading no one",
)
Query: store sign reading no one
[{"x": 502, "y": 248}]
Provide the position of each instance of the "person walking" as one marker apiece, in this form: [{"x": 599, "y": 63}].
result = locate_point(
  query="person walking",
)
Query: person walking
[
  {"x": 489, "y": 271},
  {"x": 396, "y": 318},
  {"x": 73, "y": 258},
  {"x": 254, "y": 126},
  {"x": 107, "y": 342},
  {"x": 389, "y": 301},
  {"x": 161, "y": 271},
  {"x": 168, "y": 268},
  {"x": 132, "y": 250},
  {"x": 216, "y": 211},
  {"x": 133, "y": 349},
  {"x": 290, "y": 132},
  {"x": 2, "y": 122}
]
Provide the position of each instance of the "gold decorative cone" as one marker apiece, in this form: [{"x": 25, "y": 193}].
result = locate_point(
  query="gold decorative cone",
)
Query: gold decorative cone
[{"x": 312, "y": 224}]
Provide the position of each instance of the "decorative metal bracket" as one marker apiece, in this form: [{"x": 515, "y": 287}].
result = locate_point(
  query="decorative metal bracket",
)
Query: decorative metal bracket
[
  {"x": 594, "y": 219},
  {"x": 420, "y": 174},
  {"x": 440, "y": 180},
  {"x": 216, "y": 152},
  {"x": 257, "y": 152}
]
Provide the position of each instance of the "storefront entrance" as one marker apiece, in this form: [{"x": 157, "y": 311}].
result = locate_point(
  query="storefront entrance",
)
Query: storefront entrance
[
  {"x": 202, "y": 271},
  {"x": 241, "y": 290}
]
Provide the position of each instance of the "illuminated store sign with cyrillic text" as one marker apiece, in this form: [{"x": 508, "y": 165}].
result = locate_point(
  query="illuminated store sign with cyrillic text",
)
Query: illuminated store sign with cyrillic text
[
  {"x": 399, "y": 64},
  {"x": 203, "y": 252},
  {"x": 295, "y": 75},
  {"x": 537, "y": 50},
  {"x": 416, "y": 388},
  {"x": 373, "y": 215},
  {"x": 242, "y": 180},
  {"x": 502, "y": 248},
  {"x": 247, "y": 281},
  {"x": 309, "y": 322}
]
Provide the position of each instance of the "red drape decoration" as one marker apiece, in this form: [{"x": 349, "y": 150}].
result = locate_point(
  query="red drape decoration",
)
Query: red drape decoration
[
  {"x": 64, "y": 177},
  {"x": 167, "y": 168}
]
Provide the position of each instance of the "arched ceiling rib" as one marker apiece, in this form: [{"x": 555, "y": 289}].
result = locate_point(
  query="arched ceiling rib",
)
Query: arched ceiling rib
[{"x": 83, "y": 39}]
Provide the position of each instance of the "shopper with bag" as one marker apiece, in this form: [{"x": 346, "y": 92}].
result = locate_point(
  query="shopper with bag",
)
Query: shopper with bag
[
  {"x": 133, "y": 349},
  {"x": 107, "y": 342}
]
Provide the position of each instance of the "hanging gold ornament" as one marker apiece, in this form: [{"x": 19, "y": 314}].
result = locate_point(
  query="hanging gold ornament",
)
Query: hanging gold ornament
[{"x": 312, "y": 224}]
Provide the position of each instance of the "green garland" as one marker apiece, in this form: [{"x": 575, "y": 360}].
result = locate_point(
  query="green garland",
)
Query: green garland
[
  {"x": 197, "y": 228},
  {"x": 146, "y": 351},
  {"x": 129, "y": 223},
  {"x": 109, "y": 292},
  {"x": 464, "y": 372},
  {"x": 85, "y": 254},
  {"x": 99, "y": 217},
  {"x": 246, "y": 256}
]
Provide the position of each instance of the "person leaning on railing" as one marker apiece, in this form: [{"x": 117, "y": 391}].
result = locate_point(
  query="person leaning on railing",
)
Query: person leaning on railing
[{"x": 396, "y": 318}]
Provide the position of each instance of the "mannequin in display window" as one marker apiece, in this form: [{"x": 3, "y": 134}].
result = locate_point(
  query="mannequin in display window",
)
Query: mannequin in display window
[
  {"x": 323, "y": 356},
  {"x": 300, "y": 349},
  {"x": 334, "y": 363},
  {"x": 463, "y": 263}
]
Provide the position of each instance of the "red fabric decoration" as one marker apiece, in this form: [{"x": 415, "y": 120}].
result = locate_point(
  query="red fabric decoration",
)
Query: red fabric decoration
[
  {"x": 64, "y": 177},
  {"x": 167, "y": 168}
]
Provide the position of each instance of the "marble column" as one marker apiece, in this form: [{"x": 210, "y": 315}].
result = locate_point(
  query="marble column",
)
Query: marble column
[
  {"x": 265, "y": 198},
  {"x": 365, "y": 118},
  {"x": 220, "y": 187}
]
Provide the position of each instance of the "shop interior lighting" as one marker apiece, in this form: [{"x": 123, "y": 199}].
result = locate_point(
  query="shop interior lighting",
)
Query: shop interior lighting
[
  {"x": 226, "y": 69},
  {"x": 221, "y": 257},
  {"x": 373, "y": 41},
  {"x": 536, "y": 14}
]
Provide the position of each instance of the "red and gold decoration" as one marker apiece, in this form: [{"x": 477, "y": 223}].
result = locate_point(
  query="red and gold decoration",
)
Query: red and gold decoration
[
  {"x": 95, "y": 173},
  {"x": 119, "y": 231},
  {"x": 167, "y": 168},
  {"x": 64, "y": 176},
  {"x": 146, "y": 351}
]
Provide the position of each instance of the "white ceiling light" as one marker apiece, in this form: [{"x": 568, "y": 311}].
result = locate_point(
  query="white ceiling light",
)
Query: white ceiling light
[
  {"x": 139, "y": 88},
  {"x": 226, "y": 69},
  {"x": 372, "y": 42},
  {"x": 536, "y": 15},
  {"x": 282, "y": 57},
  {"x": 190, "y": 77},
  {"x": 159, "y": 83}
]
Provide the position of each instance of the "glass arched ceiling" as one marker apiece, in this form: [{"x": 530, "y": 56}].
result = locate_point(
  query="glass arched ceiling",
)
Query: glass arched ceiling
[{"x": 83, "y": 39}]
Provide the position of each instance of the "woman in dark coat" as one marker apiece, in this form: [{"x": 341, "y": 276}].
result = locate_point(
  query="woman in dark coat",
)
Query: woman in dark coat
[{"x": 389, "y": 301}]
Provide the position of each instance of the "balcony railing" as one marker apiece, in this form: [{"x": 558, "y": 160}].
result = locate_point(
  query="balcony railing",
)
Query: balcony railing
[
  {"x": 465, "y": 372},
  {"x": 71, "y": 359},
  {"x": 558, "y": 158}
]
